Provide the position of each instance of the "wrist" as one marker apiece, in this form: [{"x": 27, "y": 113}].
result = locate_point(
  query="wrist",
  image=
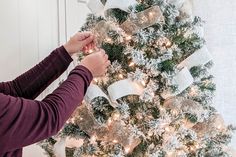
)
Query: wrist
[{"x": 69, "y": 51}]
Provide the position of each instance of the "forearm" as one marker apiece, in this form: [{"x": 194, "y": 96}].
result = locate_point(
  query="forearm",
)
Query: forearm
[
  {"x": 33, "y": 82},
  {"x": 31, "y": 121}
]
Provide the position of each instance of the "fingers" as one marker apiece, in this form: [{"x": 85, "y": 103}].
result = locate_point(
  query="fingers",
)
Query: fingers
[
  {"x": 87, "y": 41},
  {"x": 83, "y": 35}
]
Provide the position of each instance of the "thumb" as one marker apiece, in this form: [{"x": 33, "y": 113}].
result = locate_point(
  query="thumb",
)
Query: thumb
[{"x": 87, "y": 41}]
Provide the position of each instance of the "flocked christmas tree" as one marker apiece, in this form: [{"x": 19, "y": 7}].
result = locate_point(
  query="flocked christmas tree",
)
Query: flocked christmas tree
[{"x": 156, "y": 99}]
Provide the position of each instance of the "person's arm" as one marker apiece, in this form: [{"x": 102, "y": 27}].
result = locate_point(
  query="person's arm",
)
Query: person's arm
[
  {"x": 31, "y": 121},
  {"x": 32, "y": 83}
]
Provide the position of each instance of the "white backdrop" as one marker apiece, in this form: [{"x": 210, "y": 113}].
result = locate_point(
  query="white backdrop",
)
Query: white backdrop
[{"x": 29, "y": 30}]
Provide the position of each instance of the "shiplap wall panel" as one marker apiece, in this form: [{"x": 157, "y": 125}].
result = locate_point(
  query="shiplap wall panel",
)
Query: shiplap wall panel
[{"x": 9, "y": 40}]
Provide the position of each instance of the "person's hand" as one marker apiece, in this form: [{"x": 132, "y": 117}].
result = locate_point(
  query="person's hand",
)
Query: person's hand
[
  {"x": 82, "y": 41},
  {"x": 97, "y": 63}
]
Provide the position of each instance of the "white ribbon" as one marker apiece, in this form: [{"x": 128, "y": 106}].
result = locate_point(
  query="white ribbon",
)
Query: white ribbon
[
  {"x": 99, "y": 9},
  {"x": 124, "y": 88},
  {"x": 200, "y": 57},
  {"x": 116, "y": 90},
  {"x": 183, "y": 80},
  {"x": 59, "y": 148}
]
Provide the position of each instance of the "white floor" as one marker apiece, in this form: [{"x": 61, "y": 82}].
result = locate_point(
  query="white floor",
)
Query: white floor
[{"x": 220, "y": 29}]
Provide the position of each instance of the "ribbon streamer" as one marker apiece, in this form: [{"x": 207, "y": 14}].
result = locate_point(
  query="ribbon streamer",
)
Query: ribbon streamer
[
  {"x": 99, "y": 9},
  {"x": 143, "y": 20},
  {"x": 200, "y": 57},
  {"x": 116, "y": 90},
  {"x": 123, "y": 88},
  {"x": 59, "y": 148},
  {"x": 183, "y": 80}
]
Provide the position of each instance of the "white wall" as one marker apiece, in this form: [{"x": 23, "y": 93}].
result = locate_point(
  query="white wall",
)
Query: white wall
[
  {"x": 220, "y": 31},
  {"x": 28, "y": 32}
]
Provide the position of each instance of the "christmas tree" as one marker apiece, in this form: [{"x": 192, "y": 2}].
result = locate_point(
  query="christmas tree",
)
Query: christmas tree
[{"x": 156, "y": 99}]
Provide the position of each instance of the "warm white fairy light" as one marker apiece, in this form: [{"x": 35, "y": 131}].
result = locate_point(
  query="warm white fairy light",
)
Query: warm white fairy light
[
  {"x": 95, "y": 80},
  {"x": 128, "y": 37},
  {"x": 108, "y": 39},
  {"x": 175, "y": 112},
  {"x": 90, "y": 51},
  {"x": 109, "y": 121},
  {"x": 131, "y": 64},
  {"x": 116, "y": 116},
  {"x": 152, "y": 94},
  {"x": 167, "y": 129},
  {"x": 193, "y": 91},
  {"x": 93, "y": 139},
  {"x": 143, "y": 83},
  {"x": 139, "y": 116},
  {"x": 150, "y": 134},
  {"x": 115, "y": 141},
  {"x": 151, "y": 14},
  {"x": 121, "y": 76},
  {"x": 127, "y": 150}
]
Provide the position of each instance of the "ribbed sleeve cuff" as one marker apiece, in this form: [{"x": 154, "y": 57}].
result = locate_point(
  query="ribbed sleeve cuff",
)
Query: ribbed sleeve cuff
[
  {"x": 88, "y": 72},
  {"x": 64, "y": 55}
]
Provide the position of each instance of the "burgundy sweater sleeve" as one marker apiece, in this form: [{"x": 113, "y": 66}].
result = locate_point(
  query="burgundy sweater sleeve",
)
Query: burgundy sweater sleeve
[
  {"x": 23, "y": 121},
  {"x": 33, "y": 82}
]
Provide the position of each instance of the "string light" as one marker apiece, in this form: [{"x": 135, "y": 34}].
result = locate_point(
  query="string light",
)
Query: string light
[
  {"x": 131, "y": 64},
  {"x": 115, "y": 141},
  {"x": 116, "y": 116},
  {"x": 95, "y": 80},
  {"x": 109, "y": 121},
  {"x": 93, "y": 139},
  {"x": 127, "y": 149},
  {"x": 121, "y": 76},
  {"x": 152, "y": 94},
  {"x": 90, "y": 51},
  {"x": 193, "y": 91},
  {"x": 143, "y": 83},
  {"x": 128, "y": 37},
  {"x": 167, "y": 129},
  {"x": 151, "y": 14},
  {"x": 108, "y": 40}
]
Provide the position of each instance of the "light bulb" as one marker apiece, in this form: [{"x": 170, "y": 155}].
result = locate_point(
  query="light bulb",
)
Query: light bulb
[
  {"x": 108, "y": 39},
  {"x": 167, "y": 129},
  {"x": 128, "y": 37},
  {"x": 90, "y": 51},
  {"x": 116, "y": 116},
  {"x": 131, "y": 64},
  {"x": 95, "y": 80},
  {"x": 121, "y": 76},
  {"x": 143, "y": 83},
  {"x": 115, "y": 141},
  {"x": 109, "y": 121},
  {"x": 127, "y": 149}
]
